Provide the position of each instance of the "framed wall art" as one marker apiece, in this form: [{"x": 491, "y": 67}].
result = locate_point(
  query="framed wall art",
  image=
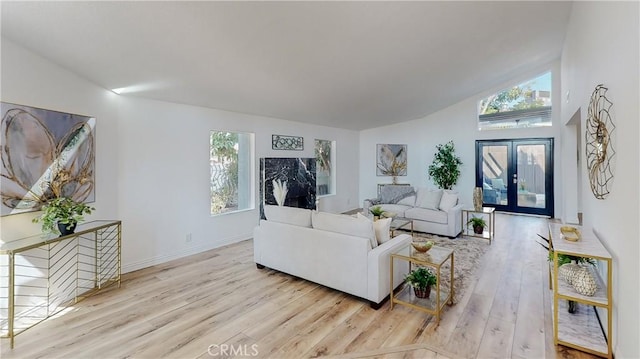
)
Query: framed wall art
[
  {"x": 391, "y": 160},
  {"x": 282, "y": 142},
  {"x": 45, "y": 154}
]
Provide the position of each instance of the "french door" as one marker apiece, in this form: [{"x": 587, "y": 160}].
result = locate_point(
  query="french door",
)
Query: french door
[{"x": 516, "y": 175}]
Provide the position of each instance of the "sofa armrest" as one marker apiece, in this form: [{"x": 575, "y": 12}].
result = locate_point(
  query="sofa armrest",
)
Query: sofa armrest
[
  {"x": 368, "y": 203},
  {"x": 454, "y": 219},
  {"x": 379, "y": 260}
]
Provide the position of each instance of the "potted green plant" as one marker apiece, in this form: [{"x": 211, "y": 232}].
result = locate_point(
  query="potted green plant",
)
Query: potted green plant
[
  {"x": 478, "y": 224},
  {"x": 445, "y": 168},
  {"x": 421, "y": 279},
  {"x": 61, "y": 215},
  {"x": 376, "y": 211}
]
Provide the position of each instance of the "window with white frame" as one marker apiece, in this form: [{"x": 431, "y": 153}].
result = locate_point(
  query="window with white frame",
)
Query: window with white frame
[
  {"x": 325, "y": 151},
  {"x": 525, "y": 105},
  {"x": 232, "y": 163}
]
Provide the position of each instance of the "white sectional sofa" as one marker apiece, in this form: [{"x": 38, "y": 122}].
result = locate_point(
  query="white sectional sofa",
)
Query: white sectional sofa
[
  {"x": 337, "y": 251},
  {"x": 432, "y": 210}
]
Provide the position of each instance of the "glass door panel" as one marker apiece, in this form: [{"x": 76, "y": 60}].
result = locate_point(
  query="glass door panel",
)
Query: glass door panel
[
  {"x": 530, "y": 176},
  {"x": 495, "y": 161},
  {"x": 516, "y": 175}
]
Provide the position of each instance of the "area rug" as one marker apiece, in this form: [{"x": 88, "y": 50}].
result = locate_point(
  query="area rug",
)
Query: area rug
[{"x": 468, "y": 253}]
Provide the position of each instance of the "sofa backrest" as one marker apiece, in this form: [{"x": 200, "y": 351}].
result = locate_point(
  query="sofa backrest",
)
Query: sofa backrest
[
  {"x": 436, "y": 199},
  {"x": 289, "y": 215}
]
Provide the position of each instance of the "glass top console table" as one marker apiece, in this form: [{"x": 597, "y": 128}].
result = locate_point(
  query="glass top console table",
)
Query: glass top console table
[{"x": 45, "y": 273}]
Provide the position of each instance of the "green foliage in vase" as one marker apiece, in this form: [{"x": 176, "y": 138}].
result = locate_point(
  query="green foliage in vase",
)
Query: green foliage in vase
[
  {"x": 445, "y": 168},
  {"x": 477, "y": 222},
  {"x": 565, "y": 259},
  {"x": 421, "y": 278},
  {"x": 62, "y": 210},
  {"x": 376, "y": 210}
]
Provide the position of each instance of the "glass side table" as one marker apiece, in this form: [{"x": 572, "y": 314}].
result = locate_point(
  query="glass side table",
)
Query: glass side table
[
  {"x": 400, "y": 223},
  {"x": 488, "y": 213},
  {"x": 435, "y": 258}
]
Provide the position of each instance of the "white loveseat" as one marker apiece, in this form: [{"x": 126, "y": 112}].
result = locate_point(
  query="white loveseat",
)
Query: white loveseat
[
  {"x": 337, "y": 251},
  {"x": 432, "y": 210}
]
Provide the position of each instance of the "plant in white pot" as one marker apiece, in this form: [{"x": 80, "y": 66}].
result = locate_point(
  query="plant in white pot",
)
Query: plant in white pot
[
  {"x": 61, "y": 215},
  {"x": 421, "y": 279}
]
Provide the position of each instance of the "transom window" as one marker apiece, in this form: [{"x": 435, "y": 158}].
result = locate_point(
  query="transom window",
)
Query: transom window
[{"x": 525, "y": 105}]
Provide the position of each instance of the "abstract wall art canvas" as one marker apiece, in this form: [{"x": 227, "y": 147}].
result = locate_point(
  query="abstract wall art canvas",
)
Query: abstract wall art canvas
[
  {"x": 391, "y": 160},
  {"x": 45, "y": 154}
]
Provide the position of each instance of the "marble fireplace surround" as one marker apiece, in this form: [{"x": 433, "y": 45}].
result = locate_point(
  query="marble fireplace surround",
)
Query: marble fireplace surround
[{"x": 298, "y": 173}]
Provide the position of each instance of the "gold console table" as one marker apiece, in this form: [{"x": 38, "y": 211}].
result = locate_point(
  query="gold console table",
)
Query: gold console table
[{"x": 42, "y": 274}]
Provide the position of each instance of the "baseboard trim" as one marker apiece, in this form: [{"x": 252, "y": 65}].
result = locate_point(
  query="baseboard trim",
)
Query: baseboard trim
[{"x": 163, "y": 258}]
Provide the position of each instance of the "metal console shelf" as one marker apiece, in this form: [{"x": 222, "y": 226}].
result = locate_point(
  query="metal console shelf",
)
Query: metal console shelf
[
  {"x": 581, "y": 330},
  {"x": 42, "y": 274}
]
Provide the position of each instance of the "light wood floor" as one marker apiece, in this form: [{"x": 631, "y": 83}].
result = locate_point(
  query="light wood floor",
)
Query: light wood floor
[{"x": 179, "y": 309}]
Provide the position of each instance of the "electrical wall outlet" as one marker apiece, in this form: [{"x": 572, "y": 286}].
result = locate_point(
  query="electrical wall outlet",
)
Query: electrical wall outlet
[{"x": 188, "y": 239}]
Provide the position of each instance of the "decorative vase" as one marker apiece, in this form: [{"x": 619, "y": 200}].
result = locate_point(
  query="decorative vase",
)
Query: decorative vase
[
  {"x": 477, "y": 198},
  {"x": 584, "y": 283},
  {"x": 375, "y": 218},
  {"x": 422, "y": 292},
  {"x": 478, "y": 229},
  {"x": 66, "y": 229},
  {"x": 567, "y": 272}
]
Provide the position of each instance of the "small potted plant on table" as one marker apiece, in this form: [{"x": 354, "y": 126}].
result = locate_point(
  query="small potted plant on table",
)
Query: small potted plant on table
[
  {"x": 478, "y": 224},
  {"x": 376, "y": 211},
  {"x": 421, "y": 279},
  {"x": 61, "y": 215}
]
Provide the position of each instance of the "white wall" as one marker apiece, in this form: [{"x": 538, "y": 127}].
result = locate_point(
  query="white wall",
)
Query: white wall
[
  {"x": 457, "y": 123},
  {"x": 164, "y": 181},
  {"x": 30, "y": 80},
  {"x": 602, "y": 47},
  {"x": 152, "y": 161}
]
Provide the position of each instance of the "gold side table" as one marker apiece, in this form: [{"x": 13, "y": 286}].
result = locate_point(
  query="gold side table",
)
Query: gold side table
[
  {"x": 486, "y": 212},
  {"x": 435, "y": 258}
]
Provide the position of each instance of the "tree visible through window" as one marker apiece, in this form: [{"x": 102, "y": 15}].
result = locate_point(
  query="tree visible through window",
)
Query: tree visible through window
[
  {"x": 325, "y": 158},
  {"x": 524, "y": 105},
  {"x": 231, "y": 171}
]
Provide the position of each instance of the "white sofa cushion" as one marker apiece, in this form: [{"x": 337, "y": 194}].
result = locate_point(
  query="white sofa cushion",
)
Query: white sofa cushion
[
  {"x": 449, "y": 200},
  {"x": 428, "y": 215},
  {"x": 341, "y": 223},
  {"x": 289, "y": 215},
  {"x": 428, "y": 198}
]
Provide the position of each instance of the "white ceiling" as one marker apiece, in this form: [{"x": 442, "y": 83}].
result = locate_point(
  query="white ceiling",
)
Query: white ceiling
[{"x": 353, "y": 65}]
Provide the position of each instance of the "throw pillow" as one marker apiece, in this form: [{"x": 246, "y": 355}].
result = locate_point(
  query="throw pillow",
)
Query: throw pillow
[
  {"x": 408, "y": 201},
  {"x": 429, "y": 198},
  {"x": 289, "y": 215},
  {"x": 448, "y": 201},
  {"x": 381, "y": 228},
  {"x": 342, "y": 223}
]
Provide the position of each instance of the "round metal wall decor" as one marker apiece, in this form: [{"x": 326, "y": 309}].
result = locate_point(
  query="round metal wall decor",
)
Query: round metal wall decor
[{"x": 598, "y": 142}]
